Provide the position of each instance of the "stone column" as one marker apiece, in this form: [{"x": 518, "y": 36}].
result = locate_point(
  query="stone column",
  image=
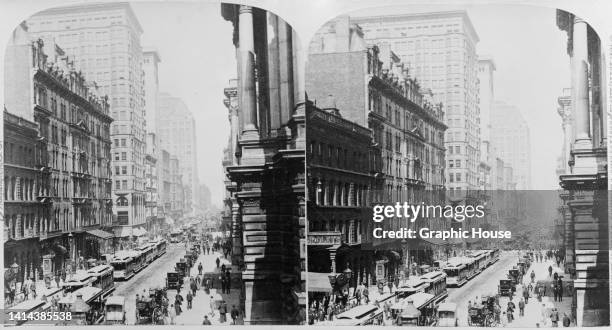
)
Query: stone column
[
  {"x": 273, "y": 73},
  {"x": 236, "y": 234},
  {"x": 285, "y": 53},
  {"x": 580, "y": 86},
  {"x": 248, "y": 99}
]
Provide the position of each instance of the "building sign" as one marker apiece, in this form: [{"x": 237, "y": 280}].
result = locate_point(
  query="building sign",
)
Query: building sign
[{"x": 324, "y": 238}]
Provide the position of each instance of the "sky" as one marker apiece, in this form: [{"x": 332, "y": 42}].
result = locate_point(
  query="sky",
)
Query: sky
[
  {"x": 197, "y": 62},
  {"x": 532, "y": 70}
]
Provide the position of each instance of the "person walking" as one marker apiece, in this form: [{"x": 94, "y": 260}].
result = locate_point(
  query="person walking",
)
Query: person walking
[
  {"x": 228, "y": 280},
  {"x": 222, "y": 311},
  {"x": 522, "y": 307},
  {"x": 550, "y": 271},
  {"x": 234, "y": 314},
  {"x": 554, "y": 318},
  {"x": 189, "y": 300},
  {"x": 200, "y": 268},
  {"x": 566, "y": 320},
  {"x": 212, "y": 306},
  {"x": 172, "y": 314},
  {"x": 194, "y": 287},
  {"x": 206, "y": 321},
  {"x": 222, "y": 278},
  {"x": 560, "y": 288},
  {"x": 526, "y": 295},
  {"x": 217, "y": 262}
]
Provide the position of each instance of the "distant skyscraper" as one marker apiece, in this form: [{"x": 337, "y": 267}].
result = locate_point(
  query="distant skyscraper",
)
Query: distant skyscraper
[
  {"x": 440, "y": 50},
  {"x": 104, "y": 40},
  {"x": 177, "y": 135},
  {"x": 151, "y": 60},
  {"x": 486, "y": 70},
  {"x": 512, "y": 139}
]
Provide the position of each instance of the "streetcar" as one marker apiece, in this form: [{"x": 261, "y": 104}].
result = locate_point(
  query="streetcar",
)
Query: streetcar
[
  {"x": 103, "y": 278},
  {"x": 79, "y": 280},
  {"x": 123, "y": 266},
  {"x": 91, "y": 296},
  {"x": 139, "y": 260},
  {"x": 412, "y": 286},
  {"x": 147, "y": 251},
  {"x": 436, "y": 281},
  {"x": 420, "y": 310},
  {"x": 494, "y": 255},
  {"x": 361, "y": 315},
  {"x": 160, "y": 248},
  {"x": 471, "y": 267},
  {"x": 456, "y": 273}
]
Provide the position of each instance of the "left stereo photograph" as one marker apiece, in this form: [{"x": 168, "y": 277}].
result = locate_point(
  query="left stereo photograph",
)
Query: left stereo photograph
[{"x": 153, "y": 167}]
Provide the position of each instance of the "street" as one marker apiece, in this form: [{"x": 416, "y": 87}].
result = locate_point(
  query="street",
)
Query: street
[
  {"x": 486, "y": 283},
  {"x": 154, "y": 276}
]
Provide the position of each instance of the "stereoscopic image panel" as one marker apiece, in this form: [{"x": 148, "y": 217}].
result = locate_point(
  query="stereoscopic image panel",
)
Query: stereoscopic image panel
[
  {"x": 154, "y": 167},
  {"x": 456, "y": 161}
]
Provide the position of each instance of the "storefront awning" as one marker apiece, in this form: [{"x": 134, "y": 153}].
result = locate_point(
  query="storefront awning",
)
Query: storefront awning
[
  {"x": 100, "y": 233},
  {"x": 318, "y": 282}
]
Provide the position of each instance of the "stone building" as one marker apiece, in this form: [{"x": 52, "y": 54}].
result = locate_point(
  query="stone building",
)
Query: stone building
[
  {"x": 343, "y": 169},
  {"x": 27, "y": 212},
  {"x": 422, "y": 41},
  {"x": 266, "y": 174},
  {"x": 375, "y": 90},
  {"x": 154, "y": 220},
  {"x": 585, "y": 182},
  {"x": 104, "y": 41},
  {"x": 75, "y": 122}
]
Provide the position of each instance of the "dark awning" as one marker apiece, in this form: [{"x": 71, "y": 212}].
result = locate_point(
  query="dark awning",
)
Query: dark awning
[
  {"x": 60, "y": 249},
  {"x": 100, "y": 233}
]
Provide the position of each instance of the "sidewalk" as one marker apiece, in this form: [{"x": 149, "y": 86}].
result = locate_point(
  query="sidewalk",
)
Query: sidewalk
[
  {"x": 534, "y": 309},
  {"x": 201, "y": 302}
]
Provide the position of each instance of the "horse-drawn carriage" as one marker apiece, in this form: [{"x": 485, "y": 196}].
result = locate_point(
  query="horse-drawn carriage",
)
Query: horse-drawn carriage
[
  {"x": 174, "y": 280},
  {"x": 506, "y": 288},
  {"x": 480, "y": 315},
  {"x": 515, "y": 275},
  {"x": 151, "y": 309}
]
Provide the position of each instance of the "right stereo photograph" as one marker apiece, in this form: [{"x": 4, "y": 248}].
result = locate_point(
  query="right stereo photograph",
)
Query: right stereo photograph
[{"x": 456, "y": 161}]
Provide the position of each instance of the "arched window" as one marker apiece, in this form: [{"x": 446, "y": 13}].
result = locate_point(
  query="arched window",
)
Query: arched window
[{"x": 122, "y": 201}]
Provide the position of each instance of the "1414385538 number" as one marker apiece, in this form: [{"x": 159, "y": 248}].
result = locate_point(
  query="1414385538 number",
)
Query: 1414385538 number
[{"x": 39, "y": 316}]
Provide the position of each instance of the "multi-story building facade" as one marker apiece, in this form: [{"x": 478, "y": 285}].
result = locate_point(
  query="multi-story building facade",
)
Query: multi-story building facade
[
  {"x": 343, "y": 164},
  {"x": 27, "y": 212},
  {"x": 154, "y": 220},
  {"x": 150, "y": 66},
  {"x": 74, "y": 120},
  {"x": 486, "y": 84},
  {"x": 406, "y": 124},
  {"x": 176, "y": 131},
  {"x": 511, "y": 138},
  {"x": 164, "y": 184},
  {"x": 586, "y": 183},
  {"x": 439, "y": 48},
  {"x": 266, "y": 174},
  {"x": 177, "y": 191},
  {"x": 104, "y": 40}
]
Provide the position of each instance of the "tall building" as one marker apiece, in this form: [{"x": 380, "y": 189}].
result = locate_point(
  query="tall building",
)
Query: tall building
[
  {"x": 374, "y": 89},
  {"x": 150, "y": 64},
  {"x": 585, "y": 185},
  {"x": 104, "y": 40},
  {"x": 339, "y": 200},
  {"x": 70, "y": 196},
  {"x": 439, "y": 48},
  {"x": 27, "y": 214},
  {"x": 176, "y": 132},
  {"x": 154, "y": 219},
  {"x": 205, "y": 197},
  {"x": 486, "y": 75},
  {"x": 511, "y": 138},
  {"x": 266, "y": 176}
]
